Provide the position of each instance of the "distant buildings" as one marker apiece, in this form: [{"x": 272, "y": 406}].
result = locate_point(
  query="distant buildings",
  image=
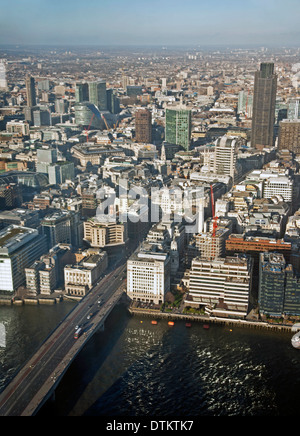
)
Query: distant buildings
[
  {"x": 264, "y": 97},
  {"x": 3, "y": 81}
]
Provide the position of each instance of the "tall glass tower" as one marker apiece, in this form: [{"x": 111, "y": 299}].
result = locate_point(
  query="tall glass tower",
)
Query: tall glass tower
[
  {"x": 178, "y": 127},
  {"x": 264, "y": 99},
  {"x": 97, "y": 94},
  {"x": 3, "y": 82},
  {"x": 81, "y": 92}
]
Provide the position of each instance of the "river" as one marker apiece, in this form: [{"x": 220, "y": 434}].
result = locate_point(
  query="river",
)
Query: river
[{"x": 135, "y": 368}]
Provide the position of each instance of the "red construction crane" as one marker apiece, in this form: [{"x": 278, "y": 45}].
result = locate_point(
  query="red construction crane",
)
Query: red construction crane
[
  {"x": 246, "y": 105},
  {"x": 214, "y": 217},
  {"x": 87, "y": 131}
]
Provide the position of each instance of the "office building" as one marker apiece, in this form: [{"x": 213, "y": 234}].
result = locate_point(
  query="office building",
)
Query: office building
[
  {"x": 97, "y": 95},
  {"x": 88, "y": 115},
  {"x": 80, "y": 278},
  {"x": 148, "y": 275},
  {"x": 178, "y": 126},
  {"x": 245, "y": 103},
  {"x": 40, "y": 278},
  {"x": 225, "y": 157},
  {"x": 3, "y": 81},
  {"x": 113, "y": 101},
  {"x": 271, "y": 283},
  {"x": 19, "y": 248},
  {"x": 293, "y": 111},
  {"x": 207, "y": 246},
  {"x": 289, "y": 135},
  {"x": 63, "y": 227},
  {"x": 61, "y": 172},
  {"x": 279, "y": 287},
  {"x": 10, "y": 196},
  {"x": 223, "y": 286},
  {"x": 47, "y": 155},
  {"x": 30, "y": 91},
  {"x": 282, "y": 186},
  {"x": 134, "y": 90},
  {"x": 264, "y": 98},
  {"x": 57, "y": 171},
  {"x": 81, "y": 92},
  {"x": 101, "y": 234},
  {"x": 143, "y": 126},
  {"x": 254, "y": 245}
]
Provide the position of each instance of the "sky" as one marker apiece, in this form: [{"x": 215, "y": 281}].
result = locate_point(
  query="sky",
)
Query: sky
[{"x": 150, "y": 22}]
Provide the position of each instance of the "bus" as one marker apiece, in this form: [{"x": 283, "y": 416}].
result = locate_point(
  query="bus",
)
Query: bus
[{"x": 77, "y": 333}]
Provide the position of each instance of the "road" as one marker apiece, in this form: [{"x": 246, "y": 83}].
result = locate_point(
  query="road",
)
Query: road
[{"x": 36, "y": 379}]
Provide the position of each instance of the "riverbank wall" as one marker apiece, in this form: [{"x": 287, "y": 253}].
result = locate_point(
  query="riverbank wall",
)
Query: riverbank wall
[{"x": 169, "y": 316}]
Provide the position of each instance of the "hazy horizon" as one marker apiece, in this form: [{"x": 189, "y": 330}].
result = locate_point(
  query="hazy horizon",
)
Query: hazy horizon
[{"x": 155, "y": 23}]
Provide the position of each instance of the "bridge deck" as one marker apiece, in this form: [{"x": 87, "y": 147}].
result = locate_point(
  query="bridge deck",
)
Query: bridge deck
[{"x": 39, "y": 377}]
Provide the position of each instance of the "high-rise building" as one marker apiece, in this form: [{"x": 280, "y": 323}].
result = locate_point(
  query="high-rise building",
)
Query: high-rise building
[
  {"x": 272, "y": 278},
  {"x": 264, "y": 99},
  {"x": 113, "y": 101},
  {"x": 81, "y": 92},
  {"x": 148, "y": 275},
  {"x": 289, "y": 135},
  {"x": 245, "y": 102},
  {"x": 143, "y": 126},
  {"x": 97, "y": 95},
  {"x": 30, "y": 91},
  {"x": 178, "y": 126},
  {"x": 223, "y": 286},
  {"x": 3, "y": 81},
  {"x": 63, "y": 227},
  {"x": 225, "y": 159},
  {"x": 19, "y": 248},
  {"x": 88, "y": 115},
  {"x": 10, "y": 196}
]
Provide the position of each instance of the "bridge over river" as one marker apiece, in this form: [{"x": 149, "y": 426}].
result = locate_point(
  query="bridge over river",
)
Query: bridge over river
[{"x": 39, "y": 377}]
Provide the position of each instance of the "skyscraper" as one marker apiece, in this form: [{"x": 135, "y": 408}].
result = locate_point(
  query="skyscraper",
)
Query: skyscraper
[
  {"x": 87, "y": 114},
  {"x": 143, "y": 126},
  {"x": 97, "y": 94},
  {"x": 81, "y": 92},
  {"x": 225, "y": 159},
  {"x": 178, "y": 126},
  {"x": 30, "y": 91},
  {"x": 264, "y": 97},
  {"x": 3, "y": 82}
]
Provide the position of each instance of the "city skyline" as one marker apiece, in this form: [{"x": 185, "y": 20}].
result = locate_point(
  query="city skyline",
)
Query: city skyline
[{"x": 157, "y": 23}]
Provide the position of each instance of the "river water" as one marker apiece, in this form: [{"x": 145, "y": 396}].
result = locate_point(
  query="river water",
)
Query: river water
[{"x": 135, "y": 368}]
